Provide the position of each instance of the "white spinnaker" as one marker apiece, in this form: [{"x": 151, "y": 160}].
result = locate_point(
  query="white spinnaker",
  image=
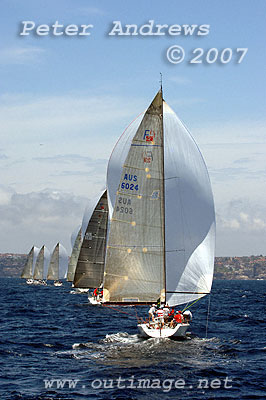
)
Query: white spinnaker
[
  {"x": 63, "y": 262},
  {"x": 89, "y": 210},
  {"x": 189, "y": 215},
  {"x": 74, "y": 235}
]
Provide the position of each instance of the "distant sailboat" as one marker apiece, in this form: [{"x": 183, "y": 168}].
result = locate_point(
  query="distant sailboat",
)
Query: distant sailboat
[
  {"x": 162, "y": 230},
  {"x": 28, "y": 269},
  {"x": 90, "y": 266},
  {"x": 41, "y": 266},
  {"x": 74, "y": 257},
  {"x": 57, "y": 269}
]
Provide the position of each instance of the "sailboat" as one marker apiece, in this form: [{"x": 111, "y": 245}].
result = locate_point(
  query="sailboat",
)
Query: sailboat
[
  {"x": 57, "y": 269},
  {"x": 162, "y": 228},
  {"x": 74, "y": 257},
  {"x": 90, "y": 265},
  {"x": 41, "y": 266},
  {"x": 28, "y": 269}
]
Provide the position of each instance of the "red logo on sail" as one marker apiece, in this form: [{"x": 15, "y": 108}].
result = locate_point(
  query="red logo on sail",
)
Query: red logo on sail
[
  {"x": 149, "y": 135},
  {"x": 147, "y": 157}
]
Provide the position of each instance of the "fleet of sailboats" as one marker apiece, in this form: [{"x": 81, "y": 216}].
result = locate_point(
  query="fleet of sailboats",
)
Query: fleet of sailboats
[{"x": 151, "y": 234}]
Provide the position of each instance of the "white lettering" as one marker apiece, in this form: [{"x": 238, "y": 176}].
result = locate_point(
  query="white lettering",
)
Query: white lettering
[
  {"x": 26, "y": 28},
  {"x": 159, "y": 28},
  {"x": 167, "y": 388},
  {"x": 174, "y": 30},
  {"x": 146, "y": 30},
  {"x": 71, "y": 30},
  {"x": 55, "y": 26},
  {"x": 180, "y": 384},
  {"x": 117, "y": 29},
  {"x": 135, "y": 30},
  {"x": 203, "y": 30},
  {"x": 189, "y": 29},
  {"x": 42, "y": 30},
  {"x": 84, "y": 31}
]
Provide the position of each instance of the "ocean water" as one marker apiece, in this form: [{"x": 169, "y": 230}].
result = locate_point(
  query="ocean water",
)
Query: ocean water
[{"x": 55, "y": 346}]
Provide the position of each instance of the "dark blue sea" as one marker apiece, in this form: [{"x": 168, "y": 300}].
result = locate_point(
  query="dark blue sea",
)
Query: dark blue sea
[{"x": 55, "y": 346}]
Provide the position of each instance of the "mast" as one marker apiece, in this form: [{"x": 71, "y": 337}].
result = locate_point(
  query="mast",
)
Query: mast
[{"x": 163, "y": 195}]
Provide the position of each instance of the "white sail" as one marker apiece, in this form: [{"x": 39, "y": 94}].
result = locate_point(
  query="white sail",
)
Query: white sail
[
  {"x": 74, "y": 257},
  {"x": 42, "y": 262},
  {"x": 74, "y": 235},
  {"x": 58, "y": 263},
  {"x": 189, "y": 215},
  {"x": 28, "y": 269},
  {"x": 189, "y": 209}
]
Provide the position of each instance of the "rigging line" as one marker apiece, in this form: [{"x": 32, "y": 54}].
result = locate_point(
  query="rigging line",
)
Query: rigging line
[
  {"x": 115, "y": 309},
  {"x": 208, "y": 312},
  {"x": 190, "y": 305}
]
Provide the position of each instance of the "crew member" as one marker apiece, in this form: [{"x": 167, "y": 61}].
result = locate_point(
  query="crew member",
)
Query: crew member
[
  {"x": 160, "y": 316},
  {"x": 152, "y": 311}
]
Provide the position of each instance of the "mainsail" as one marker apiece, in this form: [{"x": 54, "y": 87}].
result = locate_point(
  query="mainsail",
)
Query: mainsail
[
  {"x": 74, "y": 257},
  {"x": 175, "y": 176},
  {"x": 42, "y": 262},
  {"x": 58, "y": 263},
  {"x": 135, "y": 253},
  {"x": 28, "y": 269},
  {"x": 90, "y": 266}
]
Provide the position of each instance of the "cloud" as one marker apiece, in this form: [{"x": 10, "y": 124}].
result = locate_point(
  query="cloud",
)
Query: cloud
[
  {"x": 71, "y": 159},
  {"x": 44, "y": 217},
  {"x": 242, "y": 215},
  {"x": 21, "y": 55}
]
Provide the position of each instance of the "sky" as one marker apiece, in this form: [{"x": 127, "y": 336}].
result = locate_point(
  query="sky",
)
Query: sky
[{"x": 65, "y": 100}]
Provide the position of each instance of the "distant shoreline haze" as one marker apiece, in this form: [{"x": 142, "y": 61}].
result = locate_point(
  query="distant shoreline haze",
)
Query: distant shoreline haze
[{"x": 245, "y": 268}]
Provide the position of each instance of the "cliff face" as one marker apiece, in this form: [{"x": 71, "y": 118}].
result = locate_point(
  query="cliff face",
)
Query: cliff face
[{"x": 251, "y": 267}]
